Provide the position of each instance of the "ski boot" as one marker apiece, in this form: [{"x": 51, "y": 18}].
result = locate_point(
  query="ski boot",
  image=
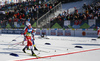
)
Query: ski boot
[
  {"x": 33, "y": 54},
  {"x": 24, "y": 50}
]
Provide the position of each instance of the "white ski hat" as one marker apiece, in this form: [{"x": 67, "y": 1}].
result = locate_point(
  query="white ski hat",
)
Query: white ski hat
[{"x": 28, "y": 24}]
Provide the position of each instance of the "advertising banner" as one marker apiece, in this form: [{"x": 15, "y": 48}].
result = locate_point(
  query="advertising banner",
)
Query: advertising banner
[
  {"x": 86, "y": 33},
  {"x": 91, "y": 33},
  {"x": 44, "y": 31},
  {"x": 12, "y": 31},
  {"x": 52, "y": 32},
  {"x": 60, "y": 32},
  {"x": 38, "y": 32},
  {"x": 55, "y": 32},
  {"x": 4, "y": 31},
  {"x": 67, "y": 32},
  {"x": 17, "y": 31}
]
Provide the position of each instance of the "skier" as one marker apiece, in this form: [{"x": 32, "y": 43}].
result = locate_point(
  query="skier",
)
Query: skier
[
  {"x": 98, "y": 33},
  {"x": 32, "y": 38},
  {"x": 27, "y": 34}
]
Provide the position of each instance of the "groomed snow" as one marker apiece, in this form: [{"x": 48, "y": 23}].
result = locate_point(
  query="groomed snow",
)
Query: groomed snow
[{"x": 59, "y": 45}]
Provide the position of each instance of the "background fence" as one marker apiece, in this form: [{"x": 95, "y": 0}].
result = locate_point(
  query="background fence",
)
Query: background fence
[{"x": 56, "y": 32}]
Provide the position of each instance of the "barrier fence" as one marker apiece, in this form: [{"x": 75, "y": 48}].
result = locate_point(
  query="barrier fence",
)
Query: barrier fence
[{"x": 57, "y": 32}]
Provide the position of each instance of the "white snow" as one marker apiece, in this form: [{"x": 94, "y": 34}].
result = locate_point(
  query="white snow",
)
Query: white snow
[{"x": 59, "y": 45}]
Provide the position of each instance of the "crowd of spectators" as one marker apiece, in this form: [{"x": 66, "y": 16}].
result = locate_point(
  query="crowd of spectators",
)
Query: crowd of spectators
[
  {"x": 90, "y": 12},
  {"x": 22, "y": 12}
]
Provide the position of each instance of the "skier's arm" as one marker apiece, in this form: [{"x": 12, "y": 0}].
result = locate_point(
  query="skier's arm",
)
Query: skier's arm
[{"x": 25, "y": 31}]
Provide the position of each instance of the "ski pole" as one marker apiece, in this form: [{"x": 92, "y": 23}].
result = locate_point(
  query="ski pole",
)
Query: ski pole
[
  {"x": 16, "y": 38},
  {"x": 15, "y": 44}
]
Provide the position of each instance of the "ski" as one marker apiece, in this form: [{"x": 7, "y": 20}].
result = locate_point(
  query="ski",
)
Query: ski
[
  {"x": 43, "y": 51},
  {"x": 33, "y": 55}
]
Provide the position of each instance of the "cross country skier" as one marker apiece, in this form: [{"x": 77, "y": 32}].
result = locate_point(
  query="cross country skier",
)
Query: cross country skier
[
  {"x": 33, "y": 38},
  {"x": 98, "y": 33},
  {"x": 27, "y": 34}
]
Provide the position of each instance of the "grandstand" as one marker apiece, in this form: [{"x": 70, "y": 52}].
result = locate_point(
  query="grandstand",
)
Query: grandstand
[
  {"x": 16, "y": 14},
  {"x": 44, "y": 15},
  {"x": 87, "y": 19}
]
